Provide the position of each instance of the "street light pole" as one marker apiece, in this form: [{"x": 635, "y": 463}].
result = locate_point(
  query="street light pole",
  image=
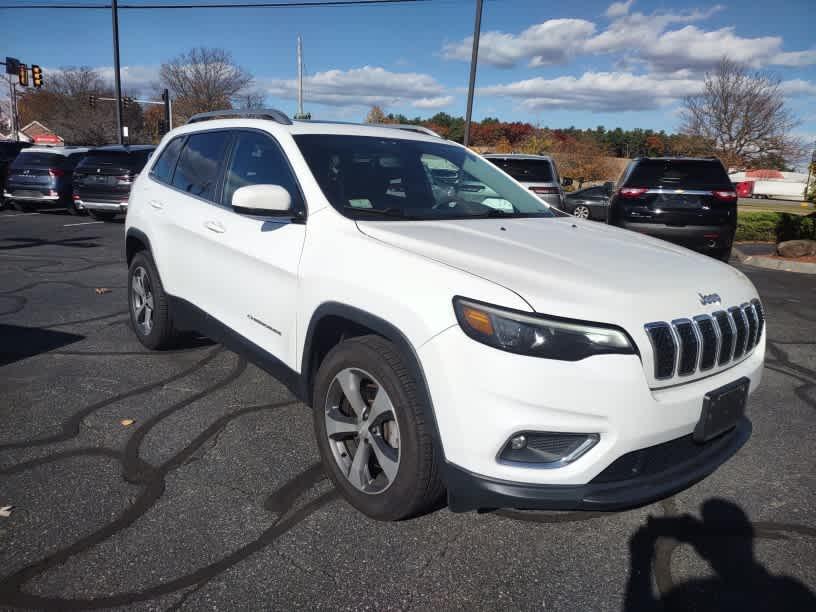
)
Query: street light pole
[
  {"x": 473, "y": 59},
  {"x": 116, "y": 75},
  {"x": 811, "y": 165}
]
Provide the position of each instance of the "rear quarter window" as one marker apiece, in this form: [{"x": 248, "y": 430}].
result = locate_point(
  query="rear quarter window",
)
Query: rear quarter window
[
  {"x": 679, "y": 174},
  {"x": 163, "y": 168}
]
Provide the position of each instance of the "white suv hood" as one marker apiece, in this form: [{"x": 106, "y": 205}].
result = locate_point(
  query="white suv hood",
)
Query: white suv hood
[{"x": 572, "y": 268}]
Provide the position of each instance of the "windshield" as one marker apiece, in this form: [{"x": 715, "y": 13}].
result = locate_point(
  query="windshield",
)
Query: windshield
[
  {"x": 126, "y": 160},
  {"x": 364, "y": 176},
  {"x": 525, "y": 170},
  {"x": 679, "y": 174},
  {"x": 35, "y": 158}
]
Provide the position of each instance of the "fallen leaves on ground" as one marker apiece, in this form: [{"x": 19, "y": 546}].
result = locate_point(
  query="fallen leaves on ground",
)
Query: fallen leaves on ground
[
  {"x": 102, "y": 290},
  {"x": 5, "y": 511},
  {"x": 127, "y": 422}
]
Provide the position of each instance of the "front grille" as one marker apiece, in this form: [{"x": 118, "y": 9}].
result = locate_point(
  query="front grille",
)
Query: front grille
[{"x": 686, "y": 346}]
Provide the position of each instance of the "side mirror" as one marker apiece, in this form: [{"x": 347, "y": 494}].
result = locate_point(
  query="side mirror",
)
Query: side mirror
[
  {"x": 566, "y": 182},
  {"x": 262, "y": 200}
]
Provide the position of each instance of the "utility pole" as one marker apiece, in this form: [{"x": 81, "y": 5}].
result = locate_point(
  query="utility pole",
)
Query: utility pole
[
  {"x": 810, "y": 171},
  {"x": 15, "y": 128},
  {"x": 300, "y": 74},
  {"x": 473, "y": 59},
  {"x": 116, "y": 70},
  {"x": 300, "y": 114}
]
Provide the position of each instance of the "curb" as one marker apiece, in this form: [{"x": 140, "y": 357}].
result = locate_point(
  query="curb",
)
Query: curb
[{"x": 771, "y": 263}]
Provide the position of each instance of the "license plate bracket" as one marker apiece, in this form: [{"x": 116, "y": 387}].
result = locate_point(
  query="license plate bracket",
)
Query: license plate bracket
[{"x": 722, "y": 410}]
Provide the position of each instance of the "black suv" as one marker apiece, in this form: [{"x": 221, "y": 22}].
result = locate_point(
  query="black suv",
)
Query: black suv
[
  {"x": 686, "y": 200},
  {"x": 103, "y": 178},
  {"x": 8, "y": 151}
]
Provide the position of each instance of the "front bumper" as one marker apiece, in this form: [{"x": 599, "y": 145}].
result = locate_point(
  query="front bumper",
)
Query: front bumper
[
  {"x": 468, "y": 491},
  {"x": 483, "y": 396}
]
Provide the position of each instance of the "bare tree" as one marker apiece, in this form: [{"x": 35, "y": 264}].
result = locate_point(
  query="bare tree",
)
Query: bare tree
[
  {"x": 743, "y": 114},
  {"x": 204, "y": 79}
]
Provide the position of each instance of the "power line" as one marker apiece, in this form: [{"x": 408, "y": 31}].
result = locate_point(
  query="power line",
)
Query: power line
[{"x": 320, "y": 3}]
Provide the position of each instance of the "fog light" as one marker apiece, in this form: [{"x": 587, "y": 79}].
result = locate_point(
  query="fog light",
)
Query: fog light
[
  {"x": 547, "y": 449},
  {"x": 518, "y": 442}
]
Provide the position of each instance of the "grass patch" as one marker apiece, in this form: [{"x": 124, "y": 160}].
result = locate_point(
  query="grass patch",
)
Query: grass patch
[{"x": 764, "y": 226}]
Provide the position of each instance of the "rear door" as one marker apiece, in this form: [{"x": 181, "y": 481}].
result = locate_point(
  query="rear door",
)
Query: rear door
[{"x": 679, "y": 192}]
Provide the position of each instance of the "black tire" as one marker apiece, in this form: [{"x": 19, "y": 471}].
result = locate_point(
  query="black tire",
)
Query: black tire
[
  {"x": 101, "y": 215},
  {"x": 73, "y": 209},
  {"x": 21, "y": 206},
  {"x": 417, "y": 486},
  {"x": 161, "y": 334}
]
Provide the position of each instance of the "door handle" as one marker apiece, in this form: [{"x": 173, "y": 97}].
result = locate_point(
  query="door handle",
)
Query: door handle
[
  {"x": 156, "y": 204},
  {"x": 215, "y": 226}
]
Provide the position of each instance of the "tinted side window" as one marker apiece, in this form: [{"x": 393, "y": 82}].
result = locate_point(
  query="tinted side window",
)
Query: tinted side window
[
  {"x": 593, "y": 192},
  {"x": 200, "y": 163},
  {"x": 526, "y": 170},
  {"x": 257, "y": 160},
  {"x": 163, "y": 168}
]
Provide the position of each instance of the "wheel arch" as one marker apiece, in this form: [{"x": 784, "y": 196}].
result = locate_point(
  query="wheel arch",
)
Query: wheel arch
[
  {"x": 135, "y": 241},
  {"x": 333, "y": 322}
]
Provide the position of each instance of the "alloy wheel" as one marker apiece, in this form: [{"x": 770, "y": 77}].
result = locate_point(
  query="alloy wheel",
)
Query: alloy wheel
[
  {"x": 582, "y": 212},
  {"x": 141, "y": 299},
  {"x": 363, "y": 432}
]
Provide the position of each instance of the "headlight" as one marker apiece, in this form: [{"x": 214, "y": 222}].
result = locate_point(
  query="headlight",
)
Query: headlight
[{"x": 530, "y": 334}]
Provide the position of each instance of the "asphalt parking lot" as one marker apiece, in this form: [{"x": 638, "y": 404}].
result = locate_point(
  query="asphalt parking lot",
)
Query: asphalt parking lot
[{"x": 212, "y": 498}]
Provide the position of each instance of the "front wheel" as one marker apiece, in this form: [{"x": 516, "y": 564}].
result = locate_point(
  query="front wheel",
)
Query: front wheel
[
  {"x": 371, "y": 431},
  {"x": 581, "y": 211}
]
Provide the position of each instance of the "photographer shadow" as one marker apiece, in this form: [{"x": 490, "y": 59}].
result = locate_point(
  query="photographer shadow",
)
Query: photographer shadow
[{"x": 725, "y": 539}]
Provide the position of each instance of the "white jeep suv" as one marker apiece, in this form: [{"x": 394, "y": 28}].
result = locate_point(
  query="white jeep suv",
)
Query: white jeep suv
[{"x": 497, "y": 349}]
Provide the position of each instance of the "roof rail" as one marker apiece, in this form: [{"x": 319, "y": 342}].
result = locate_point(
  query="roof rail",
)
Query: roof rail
[
  {"x": 407, "y": 127},
  {"x": 234, "y": 113}
]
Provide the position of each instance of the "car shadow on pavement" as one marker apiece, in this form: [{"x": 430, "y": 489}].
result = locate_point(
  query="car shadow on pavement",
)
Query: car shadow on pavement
[
  {"x": 81, "y": 242},
  {"x": 21, "y": 342},
  {"x": 724, "y": 538}
]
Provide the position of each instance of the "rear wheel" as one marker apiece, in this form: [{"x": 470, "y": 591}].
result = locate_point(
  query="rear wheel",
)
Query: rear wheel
[
  {"x": 150, "y": 314},
  {"x": 581, "y": 211},
  {"x": 102, "y": 215},
  {"x": 371, "y": 430}
]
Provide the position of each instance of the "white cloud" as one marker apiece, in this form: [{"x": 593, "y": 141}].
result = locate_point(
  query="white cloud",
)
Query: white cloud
[
  {"x": 618, "y": 9},
  {"x": 638, "y": 31},
  {"x": 551, "y": 42},
  {"x": 691, "y": 47},
  {"x": 364, "y": 86},
  {"x": 432, "y": 103},
  {"x": 597, "y": 91},
  {"x": 134, "y": 78},
  {"x": 795, "y": 58},
  {"x": 798, "y": 87}
]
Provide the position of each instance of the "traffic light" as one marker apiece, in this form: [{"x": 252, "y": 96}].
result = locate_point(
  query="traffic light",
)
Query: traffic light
[
  {"x": 22, "y": 74},
  {"x": 92, "y": 101},
  {"x": 126, "y": 102},
  {"x": 36, "y": 75}
]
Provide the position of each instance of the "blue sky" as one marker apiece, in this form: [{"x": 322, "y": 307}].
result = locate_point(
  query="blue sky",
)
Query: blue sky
[{"x": 582, "y": 63}]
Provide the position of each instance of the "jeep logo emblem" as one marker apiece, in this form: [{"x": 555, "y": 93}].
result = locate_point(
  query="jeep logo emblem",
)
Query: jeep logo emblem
[{"x": 711, "y": 298}]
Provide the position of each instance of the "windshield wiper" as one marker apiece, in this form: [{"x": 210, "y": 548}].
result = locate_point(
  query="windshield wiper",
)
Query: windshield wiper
[{"x": 385, "y": 212}]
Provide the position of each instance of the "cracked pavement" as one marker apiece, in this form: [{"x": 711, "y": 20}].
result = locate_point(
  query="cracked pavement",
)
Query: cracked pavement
[{"x": 214, "y": 498}]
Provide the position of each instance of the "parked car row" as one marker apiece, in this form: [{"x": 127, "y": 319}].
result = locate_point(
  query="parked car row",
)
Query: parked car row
[{"x": 96, "y": 180}]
